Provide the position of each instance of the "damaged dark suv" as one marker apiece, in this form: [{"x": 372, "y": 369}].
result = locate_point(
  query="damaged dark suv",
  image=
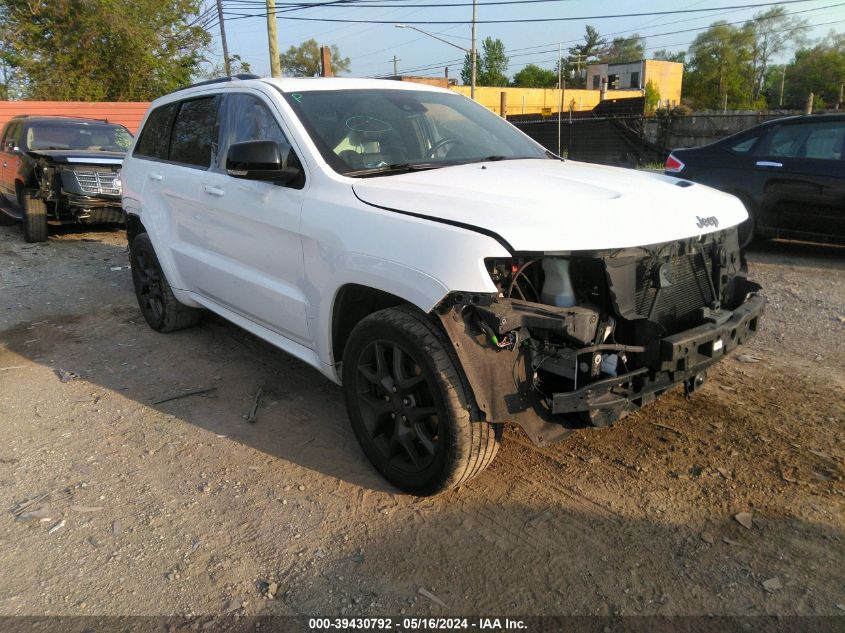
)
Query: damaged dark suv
[{"x": 59, "y": 170}]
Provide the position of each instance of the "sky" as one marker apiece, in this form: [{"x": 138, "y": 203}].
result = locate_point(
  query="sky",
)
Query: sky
[{"x": 371, "y": 47}]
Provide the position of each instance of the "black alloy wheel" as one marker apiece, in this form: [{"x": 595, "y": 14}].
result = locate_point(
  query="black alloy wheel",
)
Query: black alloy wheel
[
  {"x": 398, "y": 406},
  {"x": 409, "y": 403}
]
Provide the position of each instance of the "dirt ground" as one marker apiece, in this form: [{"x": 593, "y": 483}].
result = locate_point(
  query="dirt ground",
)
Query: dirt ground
[{"x": 183, "y": 507}]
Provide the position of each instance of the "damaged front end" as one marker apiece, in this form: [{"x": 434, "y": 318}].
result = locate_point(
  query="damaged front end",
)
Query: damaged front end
[
  {"x": 79, "y": 192},
  {"x": 582, "y": 338}
]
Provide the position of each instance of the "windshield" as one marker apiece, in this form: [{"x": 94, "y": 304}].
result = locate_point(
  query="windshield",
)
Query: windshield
[
  {"x": 102, "y": 137},
  {"x": 373, "y": 132}
]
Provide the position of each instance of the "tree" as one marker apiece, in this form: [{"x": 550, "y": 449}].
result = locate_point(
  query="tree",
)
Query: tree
[
  {"x": 774, "y": 32},
  {"x": 532, "y": 76},
  {"x": 720, "y": 68},
  {"x": 582, "y": 54},
  {"x": 101, "y": 50},
  {"x": 820, "y": 70},
  {"x": 668, "y": 56},
  {"x": 304, "y": 60},
  {"x": 652, "y": 97},
  {"x": 491, "y": 64},
  {"x": 237, "y": 66},
  {"x": 624, "y": 49}
]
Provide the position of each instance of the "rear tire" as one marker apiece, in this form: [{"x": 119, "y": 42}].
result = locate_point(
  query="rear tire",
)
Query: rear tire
[
  {"x": 409, "y": 405},
  {"x": 34, "y": 219},
  {"x": 160, "y": 307}
]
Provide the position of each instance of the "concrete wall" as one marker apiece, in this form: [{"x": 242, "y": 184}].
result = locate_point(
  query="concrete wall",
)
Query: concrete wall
[
  {"x": 127, "y": 113},
  {"x": 539, "y": 100}
]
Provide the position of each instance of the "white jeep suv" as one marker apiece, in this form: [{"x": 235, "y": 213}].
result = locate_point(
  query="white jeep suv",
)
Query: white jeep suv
[{"x": 448, "y": 271}]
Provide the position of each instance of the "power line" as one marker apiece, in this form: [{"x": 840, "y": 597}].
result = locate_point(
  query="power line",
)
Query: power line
[{"x": 239, "y": 16}]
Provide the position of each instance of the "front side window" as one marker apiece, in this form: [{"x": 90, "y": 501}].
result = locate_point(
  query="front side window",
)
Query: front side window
[
  {"x": 826, "y": 141},
  {"x": 246, "y": 118},
  {"x": 155, "y": 137},
  {"x": 194, "y": 132},
  {"x": 379, "y": 131},
  {"x": 13, "y": 132},
  {"x": 97, "y": 137}
]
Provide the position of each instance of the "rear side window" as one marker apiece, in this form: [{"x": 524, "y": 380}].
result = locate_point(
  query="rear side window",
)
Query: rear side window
[
  {"x": 786, "y": 141},
  {"x": 194, "y": 132},
  {"x": 156, "y": 133}
]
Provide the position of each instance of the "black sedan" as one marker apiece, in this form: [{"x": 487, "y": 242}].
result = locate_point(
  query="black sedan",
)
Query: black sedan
[{"x": 790, "y": 173}]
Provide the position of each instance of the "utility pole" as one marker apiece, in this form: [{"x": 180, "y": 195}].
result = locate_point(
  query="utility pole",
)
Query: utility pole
[
  {"x": 782, "y": 81},
  {"x": 273, "y": 40},
  {"x": 473, "y": 51},
  {"x": 223, "y": 39},
  {"x": 560, "y": 88},
  {"x": 841, "y": 94},
  {"x": 395, "y": 71}
]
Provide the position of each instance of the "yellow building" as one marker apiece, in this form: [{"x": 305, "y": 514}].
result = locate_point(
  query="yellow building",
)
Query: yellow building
[
  {"x": 542, "y": 101},
  {"x": 665, "y": 76}
]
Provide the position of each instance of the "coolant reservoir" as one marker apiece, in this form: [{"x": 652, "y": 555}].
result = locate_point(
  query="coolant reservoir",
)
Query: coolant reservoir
[{"x": 557, "y": 289}]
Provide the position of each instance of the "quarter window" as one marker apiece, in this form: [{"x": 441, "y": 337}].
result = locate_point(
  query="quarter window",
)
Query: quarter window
[
  {"x": 156, "y": 133},
  {"x": 193, "y": 132},
  {"x": 744, "y": 146}
]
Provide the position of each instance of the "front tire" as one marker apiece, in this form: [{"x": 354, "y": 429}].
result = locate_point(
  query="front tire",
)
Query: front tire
[
  {"x": 160, "y": 307},
  {"x": 747, "y": 228},
  {"x": 34, "y": 219},
  {"x": 409, "y": 406}
]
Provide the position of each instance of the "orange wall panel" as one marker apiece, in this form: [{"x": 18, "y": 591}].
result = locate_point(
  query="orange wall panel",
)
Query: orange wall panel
[{"x": 128, "y": 113}]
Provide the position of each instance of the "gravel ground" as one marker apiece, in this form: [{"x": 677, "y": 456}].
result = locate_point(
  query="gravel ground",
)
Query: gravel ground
[{"x": 729, "y": 503}]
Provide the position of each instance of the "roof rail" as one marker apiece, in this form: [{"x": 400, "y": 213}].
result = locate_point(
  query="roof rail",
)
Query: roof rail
[
  {"x": 220, "y": 80},
  {"x": 59, "y": 116}
]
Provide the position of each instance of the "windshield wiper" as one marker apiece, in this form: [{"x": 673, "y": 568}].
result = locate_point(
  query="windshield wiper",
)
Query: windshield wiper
[{"x": 396, "y": 168}]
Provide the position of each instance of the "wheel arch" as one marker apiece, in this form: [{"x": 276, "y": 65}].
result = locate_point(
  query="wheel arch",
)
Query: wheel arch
[
  {"x": 134, "y": 227},
  {"x": 352, "y": 303}
]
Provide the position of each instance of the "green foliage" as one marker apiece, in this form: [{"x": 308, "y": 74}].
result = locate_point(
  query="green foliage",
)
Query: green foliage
[
  {"x": 774, "y": 32},
  {"x": 237, "y": 66},
  {"x": 304, "y": 60},
  {"x": 575, "y": 65},
  {"x": 532, "y": 76},
  {"x": 101, "y": 50},
  {"x": 624, "y": 49},
  {"x": 820, "y": 70},
  {"x": 732, "y": 63},
  {"x": 720, "y": 68},
  {"x": 652, "y": 97},
  {"x": 668, "y": 56},
  {"x": 491, "y": 64}
]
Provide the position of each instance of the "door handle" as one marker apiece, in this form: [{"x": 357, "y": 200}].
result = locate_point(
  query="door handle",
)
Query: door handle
[
  {"x": 5, "y": 164},
  {"x": 768, "y": 163},
  {"x": 213, "y": 191},
  {"x": 155, "y": 176}
]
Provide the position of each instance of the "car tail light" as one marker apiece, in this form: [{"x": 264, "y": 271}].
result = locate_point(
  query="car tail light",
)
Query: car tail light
[{"x": 673, "y": 164}]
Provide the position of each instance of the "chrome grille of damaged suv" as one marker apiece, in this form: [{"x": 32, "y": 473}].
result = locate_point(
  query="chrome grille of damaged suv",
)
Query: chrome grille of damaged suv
[
  {"x": 98, "y": 181},
  {"x": 676, "y": 306}
]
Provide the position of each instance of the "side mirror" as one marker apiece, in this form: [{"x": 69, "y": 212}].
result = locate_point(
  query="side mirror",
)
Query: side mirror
[
  {"x": 262, "y": 160},
  {"x": 10, "y": 146}
]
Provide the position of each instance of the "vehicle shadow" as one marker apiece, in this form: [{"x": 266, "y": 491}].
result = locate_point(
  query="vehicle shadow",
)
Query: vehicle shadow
[
  {"x": 71, "y": 306},
  {"x": 799, "y": 254}
]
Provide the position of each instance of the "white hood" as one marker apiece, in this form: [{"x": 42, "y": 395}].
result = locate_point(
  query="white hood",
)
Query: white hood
[{"x": 548, "y": 205}]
